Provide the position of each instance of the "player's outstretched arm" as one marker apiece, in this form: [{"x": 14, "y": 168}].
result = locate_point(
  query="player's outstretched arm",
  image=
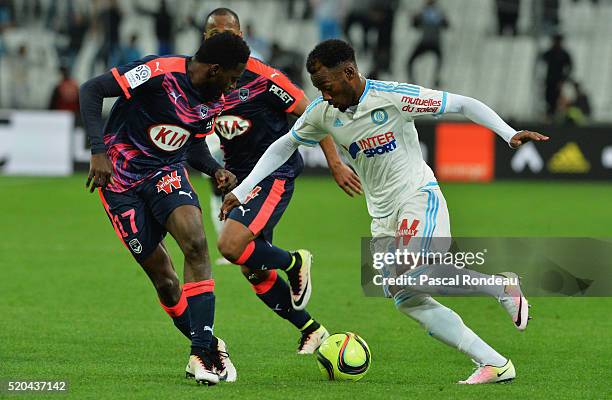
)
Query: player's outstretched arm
[
  {"x": 483, "y": 115},
  {"x": 275, "y": 156},
  {"x": 91, "y": 98}
]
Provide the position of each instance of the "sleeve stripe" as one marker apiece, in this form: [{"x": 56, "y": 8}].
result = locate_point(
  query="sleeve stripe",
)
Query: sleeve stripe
[
  {"x": 313, "y": 104},
  {"x": 276, "y": 76},
  {"x": 302, "y": 140},
  {"x": 443, "y": 106},
  {"x": 407, "y": 91},
  {"x": 122, "y": 83}
]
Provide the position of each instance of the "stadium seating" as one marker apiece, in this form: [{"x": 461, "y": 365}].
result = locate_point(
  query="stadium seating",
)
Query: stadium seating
[{"x": 501, "y": 71}]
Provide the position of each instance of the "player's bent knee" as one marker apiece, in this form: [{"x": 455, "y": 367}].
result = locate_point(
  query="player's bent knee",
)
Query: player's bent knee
[
  {"x": 229, "y": 248},
  {"x": 168, "y": 289}
]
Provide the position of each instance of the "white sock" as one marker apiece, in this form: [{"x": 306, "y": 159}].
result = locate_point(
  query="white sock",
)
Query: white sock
[
  {"x": 215, "y": 206},
  {"x": 450, "y": 271},
  {"x": 445, "y": 325}
]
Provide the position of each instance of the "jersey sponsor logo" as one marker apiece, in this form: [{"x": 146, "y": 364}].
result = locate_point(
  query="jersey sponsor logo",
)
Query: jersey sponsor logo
[
  {"x": 243, "y": 94},
  {"x": 254, "y": 193},
  {"x": 168, "y": 137},
  {"x": 135, "y": 246},
  {"x": 375, "y": 145},
  {"x": 418, "y": 105},
  {"x": 230, "y": 126},
  {"x": 168, "y": 183},
  {"x": 379, "y": 116},
  {"x": 137, "y": 76},
  {"x": 404, "y": 232},
  {"x": 282, "y": 94}
]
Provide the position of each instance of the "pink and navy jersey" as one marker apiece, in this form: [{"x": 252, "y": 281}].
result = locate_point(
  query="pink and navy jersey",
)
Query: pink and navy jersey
[
  {"x": 159, "y": 116},
  {"x": 255, "y": 115}
]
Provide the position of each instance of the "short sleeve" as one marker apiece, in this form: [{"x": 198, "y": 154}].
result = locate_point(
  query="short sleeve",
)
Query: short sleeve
[
  {"x": 146, "y": 74},
  {"x": 307, "y": 129},
  {"x": 413, "y": 101},
  {"x": 281, "y": 94}
]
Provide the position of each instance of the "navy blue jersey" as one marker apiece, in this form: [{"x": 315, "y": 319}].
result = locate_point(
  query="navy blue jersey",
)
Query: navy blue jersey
[
  {"x": 159, "y": 116},
  {"x": 255, "y": 115}
]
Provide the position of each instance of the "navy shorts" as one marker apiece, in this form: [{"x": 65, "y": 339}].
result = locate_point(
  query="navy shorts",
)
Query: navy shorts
[
  {"x": 139, "y": 215},
  {"x": 264, "y": 206}
]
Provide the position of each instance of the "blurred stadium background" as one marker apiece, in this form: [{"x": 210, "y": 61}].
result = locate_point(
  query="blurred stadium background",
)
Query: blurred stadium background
[{"x": 75, "y": 306}]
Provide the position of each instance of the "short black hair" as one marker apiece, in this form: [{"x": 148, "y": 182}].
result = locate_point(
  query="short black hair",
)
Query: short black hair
[
  {"x": 330, "y": 53},
  {"x": 226, "y": 49},
  {"x": 221, "y": 11}
]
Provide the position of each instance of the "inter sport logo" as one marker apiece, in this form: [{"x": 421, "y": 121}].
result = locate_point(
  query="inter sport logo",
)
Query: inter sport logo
[{"x": 375, "y": 145}]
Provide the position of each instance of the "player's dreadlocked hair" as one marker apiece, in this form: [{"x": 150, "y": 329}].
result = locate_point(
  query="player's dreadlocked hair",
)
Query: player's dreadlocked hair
[
  {"x": 222, "y": 11},
  {"x": 226, "y": 49},
  {"x": 330, "y": 53}
]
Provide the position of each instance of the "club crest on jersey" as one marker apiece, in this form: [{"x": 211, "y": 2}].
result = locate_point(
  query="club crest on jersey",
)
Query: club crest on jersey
[
  {"x": 243, "y": 94},
  {"x": 135, "y": 246},
  {"x": 230, "y": 126},
  {"x": 254, "y": 193},
  {"x": 168, "y": 183},
  {"x": 375, "y": 145},
  {"x": 203, "y": 110},
  {"x": 168, "y": 137},
  {"x": 379, "y": 116}
]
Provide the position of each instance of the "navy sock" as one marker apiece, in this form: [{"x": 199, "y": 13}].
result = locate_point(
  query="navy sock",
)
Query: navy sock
[
  {"x": 274, "y": 292},
  {"x": 261, "y": 254},
  {"x": 201, "y": 300},
  {"x": 179, "y": 315}
]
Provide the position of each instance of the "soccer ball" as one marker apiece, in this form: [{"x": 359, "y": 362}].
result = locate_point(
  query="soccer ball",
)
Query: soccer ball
[{"x": 344, "y": 357}]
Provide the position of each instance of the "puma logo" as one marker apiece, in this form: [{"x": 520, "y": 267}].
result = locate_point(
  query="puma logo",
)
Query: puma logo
[
  {"x": 186, "y": 194},
  {"x": 175, "y": 96}
]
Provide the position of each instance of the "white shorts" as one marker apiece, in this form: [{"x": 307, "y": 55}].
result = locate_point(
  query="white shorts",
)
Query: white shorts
[{"x": 421, "y": 215}]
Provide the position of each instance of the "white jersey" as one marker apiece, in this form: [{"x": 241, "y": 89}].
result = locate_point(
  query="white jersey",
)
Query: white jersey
[{"x": 379, "y": 138}]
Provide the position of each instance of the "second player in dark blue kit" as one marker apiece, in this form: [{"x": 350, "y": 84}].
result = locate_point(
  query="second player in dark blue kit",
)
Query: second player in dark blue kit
[{"x": 255, "y": 115}]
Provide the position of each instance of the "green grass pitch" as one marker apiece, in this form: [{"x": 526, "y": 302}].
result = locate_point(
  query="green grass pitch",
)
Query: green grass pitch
[{"x": 75, "y": 306}]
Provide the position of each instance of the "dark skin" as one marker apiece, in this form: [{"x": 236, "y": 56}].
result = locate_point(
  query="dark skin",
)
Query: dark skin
[{"x": 341, "y": 87}]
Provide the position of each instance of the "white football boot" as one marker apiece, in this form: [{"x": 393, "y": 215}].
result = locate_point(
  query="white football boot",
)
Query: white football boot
[
  {"x": 491, "y": 374},
  {"x": 515, "y": 302},
  {"x": 310, "y": 342},
  {"x": 299, "y": 281}
]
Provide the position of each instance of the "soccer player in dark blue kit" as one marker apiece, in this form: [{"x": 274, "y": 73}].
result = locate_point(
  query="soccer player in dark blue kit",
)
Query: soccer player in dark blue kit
[
  {"x": 166, "y": 107},
  {"x": 255, "y": 116}
]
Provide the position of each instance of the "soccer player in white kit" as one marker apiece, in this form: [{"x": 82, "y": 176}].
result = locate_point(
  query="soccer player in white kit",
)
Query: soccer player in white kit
[{"x": 372, "y": 121}]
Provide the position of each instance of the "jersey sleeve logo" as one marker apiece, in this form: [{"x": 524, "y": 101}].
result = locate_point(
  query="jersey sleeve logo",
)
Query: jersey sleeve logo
[
  {"x": 282, "y": 94},
  {"x": 230, "y": 126},
  {"x": 419, "y": 105},
  {"x": 137, "y": 76},
  {"x": 168, "y": 137}
]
